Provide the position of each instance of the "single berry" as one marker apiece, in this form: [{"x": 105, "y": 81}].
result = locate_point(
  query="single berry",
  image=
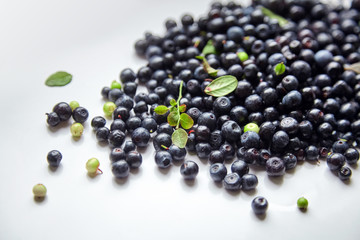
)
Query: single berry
[
  {"x": 120, "y": 169},
  {"x": 74, "y": 104},
  {"x": 178, "y": 154},
  {"x": 109, "y": 108},
  {"x": 129, "y": 146},
  {"x": 63, "y": 110},
  {"x": 117, "y": 154},
  {"x": 115, "y": 85},
  {"x": 53, "y": 119},
  {"x": 189, "y": 170},
  {"x": 92, "y": 166},
  {"x": 102, "y": 134},
  {"x": 232, "y": 181},
  {"x": 251, "y": 127},
  {"x": 344, "y": 173},
  {"x": 249, "y": 182},
  {"x": 98, "y": 122},
  {"x": 76, "y": 129},
  {"x": 163, "y": 159},
  {"x": 39, "y": 190},
  {"x": 302, "y": 203},
  {"x": 140, "y": 137},
  {"x": 335, "y": 161},
  {"x": 134, "y": 159},
  {"x": 218, "y": 172},
  {"x": 54, "y": 157},
  {"x": 259, "y": 205},
  {"x": 116, "y": 138},
  {"x": 240, "y": 167},
  {"x": 80, "y": 114},
  {"x": 275, "y": 167}
]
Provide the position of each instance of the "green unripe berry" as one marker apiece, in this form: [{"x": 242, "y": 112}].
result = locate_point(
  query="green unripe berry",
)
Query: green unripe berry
[
  {"x": 115, "y": 84},
  {"x": 109, "y": 108},
  {"x": 302, "y": 203},
  {"x": 76, "y": 129},
  {"x": 92, "y": 165},
  {"x": 243, "y": 56},
  {"x": 39, "y": 190},
  {"x": 74, "y": 104},
  {"x": 252, "y": 127}
]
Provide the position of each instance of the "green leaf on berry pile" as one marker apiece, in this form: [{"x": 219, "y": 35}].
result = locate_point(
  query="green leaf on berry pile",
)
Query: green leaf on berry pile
[
  {"x": 209, "y": 48},
  {"x": 353, "y": 67},
  {"x": 173, "y": 102},
  {"x": 182, "y": 108},
  {"x": 243, "y": 56},
  {"x": 186, "y": 121},
  {"x": 211, "y": 71},
  {"x": 282, "y": 21},
  {"x": 279, "y": 68},
  {"x": 222, "y": 86},
  {"x": 58, "y": 79},
  {"x": 161, "y": 110},
  {"x": 173, "y": 118},
  {"x": 179, "y": 138}
]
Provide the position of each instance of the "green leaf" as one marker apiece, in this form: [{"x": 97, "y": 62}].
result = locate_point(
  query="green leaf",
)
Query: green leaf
[
  {"x": 173, "y": 118},
  {"x": 58, "y": 79},
  {"x": 173, "y": 109},
  {"x": 222, "y": 86},
  {"x": 182, "y": 108},
  {"x": 243, "y": 56},
  {"x": 282, "y": 21},
  {"x": 186, "y": 121},
  {"x": 209, "y": 48},
  {"x": 179, "y": 137},
  {"x": 279, "y": 68},
  {"x": 211, "y": 71},
  {"x": 161, "y": 110},
  {"x": 173, "y": 102},
  {"x": 353, "y": 67}
]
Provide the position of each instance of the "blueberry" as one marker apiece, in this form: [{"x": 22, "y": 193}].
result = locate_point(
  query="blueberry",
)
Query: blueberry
[
  {"x": 63, "y": 110},
  {"x": 202, "y": 133},
  {"x": 231, "y": 131},
  {"x": 165, "y": 128},
  {"x": 227, "y": 150},
  {"x": 127, "y": 75},
  {"x": 344, "y": 173},
  {"x": 280, "y": 139},
  {"x": 222, "y": 105},
  {"x": 250, "y": 139},
  {"x": 218, "y": 172},
  {"x": 161, "y": 141},
  {"x": 178, "y": 154},
  {"x": 117, "y": 154},
  {"x": 216, "y": 139},
  {"x": 203, "y": 149},
  {"x": 323, "y": 57},
  {"x": 275, "y": 167},
  {"x": 80, "y": 114},
  {"x": 232, "y": 182},
  {"x": 259, "y": 205},
  {"x": 290, "y": 161},
  {"x": 264, "y": 155},
  {"x": 102, "y": 134},
  {"x": 98, "y": 122},
  {"x": 118, "y": 124},
  {"x": 335, "y": 161},
  {"x": 312, "y": 153},
  {"x": 129, "y": 146},
  {"x": 189, "y": 170},
  {"x": 340, "y": 146},
  {"x": 251, "y": 155},
  {"x": 216, "y": 157},
  {"x": 207, "y": 119},
  {"x": 140, "y": 137},
  {"x": 134, "y": 159},
  {"x": 289, "y": 125},
  {"x": 163, "y": 159},
  {"x": 240, "y": 167},
  {"x": 292, "y": 99},
  {"x": 150, "y": 124},
  {"x": 249, "y": 182},
  {"x": 53, "y": 119},
  {"x": 121, "y": 113},
  {"x": 351, "y": 155},
  {"x": 54, "y": 157},
  {"x": 120, "y": 169}
]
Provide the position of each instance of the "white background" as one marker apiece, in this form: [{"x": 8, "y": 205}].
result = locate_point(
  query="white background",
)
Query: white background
[{"x": 93, "y": 40}]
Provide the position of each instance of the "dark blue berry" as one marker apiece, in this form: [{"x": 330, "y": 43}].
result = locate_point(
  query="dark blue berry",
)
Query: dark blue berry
[
  {"x": 163, "y": 159},
  {"x": 231, "y": 131},
  {"x": 232, "y": 182},
  {"x": 102, "y": 134},
  {"x": 134, "y": 159},
  {"x": 344, "y": 173},
  {"x": 203, "y": 149},
  {"x": 98, "y": 122},
  {"x": 240, "y": 167},
  {"x": 140, "y": 137},
  {"x": 351, "y": 155},
  {"x": 250, "y": 139},
  {"x": 129, "y": 146},
  {"x": 117, "y": 154},
  {"x": 116, "y": 138},
  {"x": 335, "y": 161},
  {"x": 80, "y": 114},
  {"x": 54, "y": 158},
  {"x": 53, "y": 119},
  {"x": 189, "y": 170},
  {"x": 178, "y": 154},
  {"x": 259, "y": 205},
  {"x": 275, "y": 167},
  {"x": 249, "y": 182},
  {"x": 218, "y": 172},
  {"x": 120, "y": 169},
  {"x": 216, "y": 157},
  {"x": 63, "y": 110}
]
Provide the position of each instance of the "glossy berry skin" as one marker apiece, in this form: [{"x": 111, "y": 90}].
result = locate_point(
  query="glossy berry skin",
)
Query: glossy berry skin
[
  {"x": 165, "y": 128},
  {"x": 340, "y": 146},
  {"x": 120, "y": 169},
  {"x": 162, "y": 140},
  {"x": 227, "y": 150},
  {"x": 280, "y": 139},
  {"x": 140, "y": 137},
  {"x": 98, "y": 122},
  {"x": 208, "y": 119},
  {"x": 218, "y": 172},
  {"x": 134, "y": 159},
  {"x": 63, "y": 110},
  {"x": 232, "y": 182},
  {"x": 259, "y": 205},
  {"x": 312, "y": 153},
  {"x": 150, "y": 124},
  {"x": 203, "y": 149},
  {"x": 54, "y": 157},
  {"x": 117, "y": 154},
  {"x": 132, "y": 123},
  {"x": 53, "y": 119},
  {"x": 118, "y": 124},
  {"x": 275, "y": 167},
  {"x": 335, "y": 161},
  {"x": 290, "y": 161},
  {"x": 102, "y": 134},
  {"x": 163, "y": 159},
  {"x": 231, "y": 131},
  {"x": 189, "y": 170},
  {"x": 249, "y": 182},
  {"x": 216, "y": 157},
  {"x": 80, "y": 114},
  {"x": 116, "y": 138},
  {"x": 344, "y": 173},
  {"x": 129, "y": 146},
  {"x": 178, "y": 154},
  {"x": 289, "y": 125},
  {"x": 240, "y": 167},
  {"x": 351, "y": 156},
  {"x": 127, "y": 75},
  {"x": 251, "y": 155},
  {"x": 250, "y": 139}
]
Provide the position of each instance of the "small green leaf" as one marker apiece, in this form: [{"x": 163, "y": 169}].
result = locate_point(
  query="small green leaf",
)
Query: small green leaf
[
  {"x": 353, "y": 67},
  {"x": 211, "y": 71},
  {"x": 161, "y": 110},
  {"x": 222, "y": 86},
  {"x": 173, "y": 102},
  {"x": 282, "y": 21},
  {"x": 243, "y": 56},
  {"x": 209, "y": 48},
  {"x": 182, "y": 108},
  {"x": 279, "y": 68},
  {"x": 186, "y": 121},
  {"x": 179, "y": 138},
  {"x": 173, "y": 109},
  {"x": 58, "y": 79},
  {"x": 173, "y": 118}
]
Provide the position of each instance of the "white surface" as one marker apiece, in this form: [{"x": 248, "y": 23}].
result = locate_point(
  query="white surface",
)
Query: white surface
[{"x": 94, "y": 41}]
